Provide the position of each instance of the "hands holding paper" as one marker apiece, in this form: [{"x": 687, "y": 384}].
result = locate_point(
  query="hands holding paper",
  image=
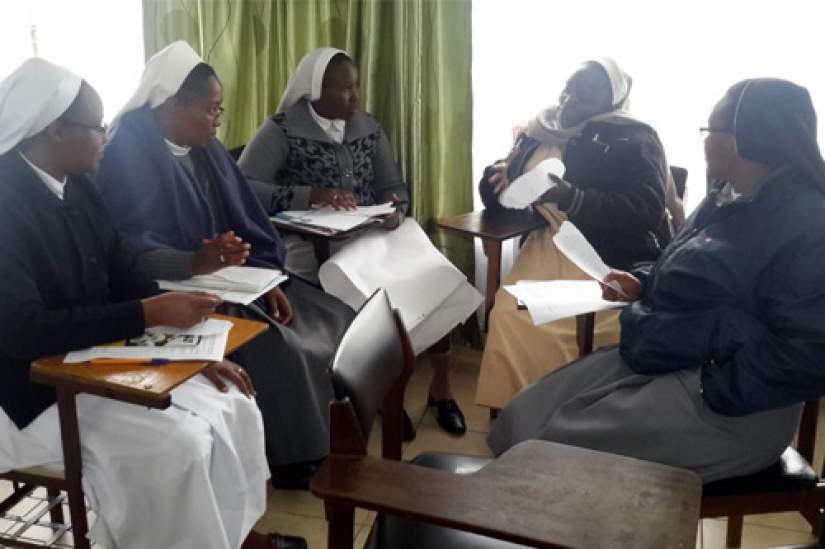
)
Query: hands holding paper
[
  {"x": 560, "y": 190},
  {"x": 178, "y": 309},
  {"x": 227, "y": 249},
  {"x": 630, "y": 285},
  {"x": 393, "y": 220}
]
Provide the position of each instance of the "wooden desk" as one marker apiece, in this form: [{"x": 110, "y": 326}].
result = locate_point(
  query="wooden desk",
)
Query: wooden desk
[
  {"x": 140, "y": 384},
  {"x": 537, "y": 493},
  {"x": 493, "y": 228}
]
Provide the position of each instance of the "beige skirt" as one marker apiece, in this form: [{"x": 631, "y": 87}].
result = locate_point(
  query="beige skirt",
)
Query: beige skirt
[{"x": 516, "y": 352}]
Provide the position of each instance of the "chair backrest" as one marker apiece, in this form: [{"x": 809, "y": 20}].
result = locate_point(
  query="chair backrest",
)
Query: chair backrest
[
  {"x": 369, "y": 362},
  {"x": 680, "y": 179}
]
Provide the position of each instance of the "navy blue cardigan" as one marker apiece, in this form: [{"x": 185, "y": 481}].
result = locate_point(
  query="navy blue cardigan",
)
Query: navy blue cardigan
[{"x": 68, "y": 282}]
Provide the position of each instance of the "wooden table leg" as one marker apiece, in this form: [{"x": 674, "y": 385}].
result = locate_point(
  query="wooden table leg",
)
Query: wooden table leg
[
  {"x": 339, "y": 532},
  {"x": 492, "y": 249},
  {"x": 70, "y": 436},
  {"x": 585, "y": 324}
]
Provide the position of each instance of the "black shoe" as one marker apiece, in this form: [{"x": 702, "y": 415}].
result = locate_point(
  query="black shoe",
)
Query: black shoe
[
  {"x": 407, "y": 428},
  {"x": 293, "y": 477},
  {"x": 449, "y": 415},
  {"x": 278, "y": 541}
]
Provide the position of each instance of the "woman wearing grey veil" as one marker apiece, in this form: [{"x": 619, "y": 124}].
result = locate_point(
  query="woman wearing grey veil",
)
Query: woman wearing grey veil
[{"x": 725, "y": 336}]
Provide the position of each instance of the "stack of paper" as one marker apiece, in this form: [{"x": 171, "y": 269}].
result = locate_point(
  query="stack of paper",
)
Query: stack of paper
[
  {"x": 204, "y": 341},
  {"x": 550, "y": 300},
  {"x": 572, "y": 243},
  {"x": 527, "y": 188},
  {"x": 335, "y": 220},
  {"x": 237, "y": 284}
]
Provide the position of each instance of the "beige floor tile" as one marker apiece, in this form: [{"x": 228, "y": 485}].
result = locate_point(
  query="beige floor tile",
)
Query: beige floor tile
[
  {"x": 362, "y": 536},
  {"x": 787, "y": 521},
  {"x": 753, "y": 536},
  {"x": 314, "y": 530}
]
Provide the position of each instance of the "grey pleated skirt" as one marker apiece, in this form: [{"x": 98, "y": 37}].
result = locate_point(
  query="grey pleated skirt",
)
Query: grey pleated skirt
[
  {"x": 290, "y": 368},
  {"x": 598, "y": 402}
]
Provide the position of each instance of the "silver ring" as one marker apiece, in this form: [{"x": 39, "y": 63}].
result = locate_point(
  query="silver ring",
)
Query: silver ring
[
  {"x": 222, "y": 258},
  {"x": 239, "y": 371}
]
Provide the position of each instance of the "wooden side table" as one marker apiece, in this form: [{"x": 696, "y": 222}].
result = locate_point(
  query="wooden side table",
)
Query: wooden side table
[{"x": 493, "y": 228}]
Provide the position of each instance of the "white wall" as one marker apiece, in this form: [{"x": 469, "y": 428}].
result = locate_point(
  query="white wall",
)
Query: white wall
[{"x": 101, "y": 40}]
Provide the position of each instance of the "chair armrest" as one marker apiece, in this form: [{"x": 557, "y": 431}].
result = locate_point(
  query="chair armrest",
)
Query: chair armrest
[{"x": 538, "y": 493}]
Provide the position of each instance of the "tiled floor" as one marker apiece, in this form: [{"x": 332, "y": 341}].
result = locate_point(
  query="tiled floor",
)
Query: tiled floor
[{"x": 300, "y": 513}]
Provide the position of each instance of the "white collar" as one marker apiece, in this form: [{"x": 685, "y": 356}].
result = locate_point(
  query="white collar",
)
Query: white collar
[
  {"x": 333, "y": 128},
  {"x": 57, "y": 187},
  {"x": 177, "y": 150}
]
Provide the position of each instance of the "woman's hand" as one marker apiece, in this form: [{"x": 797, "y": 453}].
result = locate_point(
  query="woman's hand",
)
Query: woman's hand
[
  {"x": 498, "y": 180},
  {"x": 178, "y": 309},
  {"x": 227, "y": 249},
  {"x": 630, "y": 285},
  {"x": 279, "y": 307},
  {"x": 338, "y": 199},
  {"x": 217, "y": 372},
  {"x": 392, "y": 221}
]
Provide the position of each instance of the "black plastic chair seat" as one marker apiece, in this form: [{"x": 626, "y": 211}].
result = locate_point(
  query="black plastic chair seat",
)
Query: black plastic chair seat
[
  {"x": 791, "y": 472},
  {"x": 396, "y": 533}
]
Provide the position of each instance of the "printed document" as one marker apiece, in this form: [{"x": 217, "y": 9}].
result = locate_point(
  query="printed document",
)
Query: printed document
[
  {"x": 549, "y": 300},
  {"x": 204, "y": 341},
  {"x": 572, "y": 243}
]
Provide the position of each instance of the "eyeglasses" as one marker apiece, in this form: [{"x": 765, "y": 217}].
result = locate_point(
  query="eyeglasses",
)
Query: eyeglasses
[
  {"x": 100, "y": 129},
  {"x": 215, "y": 111},
  {"x": 704, "y": 131}
]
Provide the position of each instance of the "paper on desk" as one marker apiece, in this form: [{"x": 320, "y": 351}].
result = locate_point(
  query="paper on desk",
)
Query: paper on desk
[
  {"x": 205, "y": 341},
  {"x": 572, "y": 243},
  {"x": 338, "y": 220},
  {"x": 528, "y": 187},
  {"x": 237, "y": 284},
  {"x": 550, "y": 300}
]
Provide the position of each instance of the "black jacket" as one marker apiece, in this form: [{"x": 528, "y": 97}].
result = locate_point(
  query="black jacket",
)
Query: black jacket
[
  {"x": 741, "y": 294},
  {"x": 619, "y": 171},
  {"x": 67, "y": 282}
]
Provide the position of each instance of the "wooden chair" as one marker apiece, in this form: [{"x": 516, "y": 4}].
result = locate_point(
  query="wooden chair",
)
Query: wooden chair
[
  {"x": 538, "y": 493},
  {"x": 143, "y": 385},
  {"x": 791, "y": 484}
]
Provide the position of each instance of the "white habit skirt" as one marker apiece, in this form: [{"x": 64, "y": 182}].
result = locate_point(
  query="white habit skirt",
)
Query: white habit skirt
[{"x": 193, "y": 475}]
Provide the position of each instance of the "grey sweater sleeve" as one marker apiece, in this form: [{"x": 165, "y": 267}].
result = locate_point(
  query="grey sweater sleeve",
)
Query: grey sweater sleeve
[
  {"x": 387, "y": 181},
  {"x": 261, "y": 160},
  {"x": 166, "y": 264}
]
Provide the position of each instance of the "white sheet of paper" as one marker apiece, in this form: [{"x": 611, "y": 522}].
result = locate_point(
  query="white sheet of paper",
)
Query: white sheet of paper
[
  {"x": 403, "y": 261},
  {"x": 212, "y": 336},
  {"x": 527, "y": 188},
  {"x": 338, "y": 220},
  {"x": 572, "y": 243},
  {"x": 237, "y": 284},
  {"x": 550, "y": 300}
]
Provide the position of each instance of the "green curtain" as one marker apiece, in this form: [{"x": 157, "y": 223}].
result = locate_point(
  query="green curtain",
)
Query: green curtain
[{"x": 415, "y": 62}]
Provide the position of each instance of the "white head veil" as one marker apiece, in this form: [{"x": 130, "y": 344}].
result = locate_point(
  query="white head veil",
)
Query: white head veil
[
  {"x": 620, "y": 82},
  {"x": 32, "y": 97},
  {"x": 162, "y": 78},
  {"x": 307, "y": 79}
]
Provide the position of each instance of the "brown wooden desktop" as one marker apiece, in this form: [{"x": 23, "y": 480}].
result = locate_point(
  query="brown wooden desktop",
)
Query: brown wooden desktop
[
  {"x": 493, "y": 228},
  {"x": 144, "y": 385}
]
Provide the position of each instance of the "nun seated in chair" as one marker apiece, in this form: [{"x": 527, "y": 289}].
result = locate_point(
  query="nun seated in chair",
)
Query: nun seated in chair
[
  {"x": 320, "y": 149},
  {"x": 183, "y": 205},
  {"x": 615, "y": 189},
  {"x": 191, "y": 475},
  {"x": 725, "y": 336}
]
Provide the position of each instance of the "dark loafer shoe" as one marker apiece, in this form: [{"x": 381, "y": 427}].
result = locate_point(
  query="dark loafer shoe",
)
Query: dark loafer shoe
[
  {"x": 407, "y": 429},
  {"x": 293, "y": 477},
  {"x": 449, "y": 415},
  {"x": 278, "y": 541}
]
